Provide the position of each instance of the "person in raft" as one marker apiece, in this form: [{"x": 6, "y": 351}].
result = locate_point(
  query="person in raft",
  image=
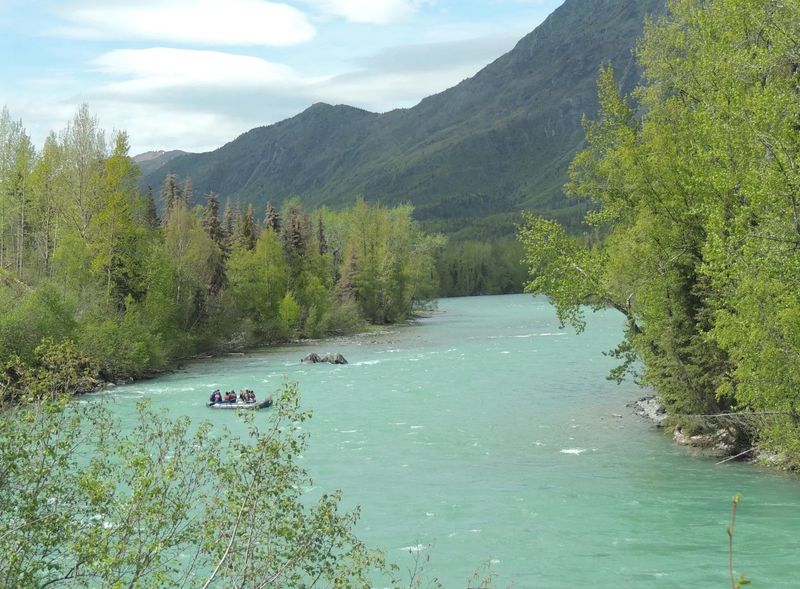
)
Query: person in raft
[{"x": 216, "y": 397}]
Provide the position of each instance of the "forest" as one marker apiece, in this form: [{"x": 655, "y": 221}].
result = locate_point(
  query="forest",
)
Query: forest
[
  {"x": 695, "y": 184},
  {"x": 124, "y": 284}
]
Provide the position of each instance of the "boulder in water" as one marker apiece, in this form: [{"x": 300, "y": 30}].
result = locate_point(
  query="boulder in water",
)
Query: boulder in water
[{"x": 314, "y": 358}]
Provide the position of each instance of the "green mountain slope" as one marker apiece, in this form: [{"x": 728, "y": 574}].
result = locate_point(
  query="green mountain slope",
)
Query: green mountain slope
[
  {"x": 488, "y": 147},
  {"x": 150, "y": 161}
]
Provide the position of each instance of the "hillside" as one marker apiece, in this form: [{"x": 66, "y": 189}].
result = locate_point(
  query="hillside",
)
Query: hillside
[
  {"x": 492, "y": 145},
  {"x": 150, "y": 161}
]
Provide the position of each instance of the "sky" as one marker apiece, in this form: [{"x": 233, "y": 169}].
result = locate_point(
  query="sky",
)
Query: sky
[{"x": 195, "y": 74}]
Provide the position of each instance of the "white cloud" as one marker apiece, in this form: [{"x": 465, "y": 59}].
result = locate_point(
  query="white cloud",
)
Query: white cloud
[
  {"x": 368, "y": 11},
  {"x": 197, "y": 100},
  {"x": 208, "y": 22},
  {"x": 381, "y": 92},
  {"x": 160, "y": 127},
  {"x": 191, "y": 99},
  {"x": 164, "y": 67},
  {"x": 448, "y": 55}
]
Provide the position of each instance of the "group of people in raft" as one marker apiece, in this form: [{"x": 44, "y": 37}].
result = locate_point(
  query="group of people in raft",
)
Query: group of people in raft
[{"x": 245, "y": 396}]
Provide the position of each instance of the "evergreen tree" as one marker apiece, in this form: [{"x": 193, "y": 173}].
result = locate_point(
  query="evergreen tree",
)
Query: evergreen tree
[
  {"x": 170, "y": 195},
  {"x": 212, "y": 223},
  {"x": 246, "y": 229},
  {"x": 230, "y": 223},
  {"x": 150, "y": 213},
  {"x": 187, "y": 194},
  {"x": 272, "y": 220},
  {"x": 294, "y": 232},
  {"x": 216, "y": 232},
  {"x": 84, "y": 257},
  {"x": 322, "y": 242}
]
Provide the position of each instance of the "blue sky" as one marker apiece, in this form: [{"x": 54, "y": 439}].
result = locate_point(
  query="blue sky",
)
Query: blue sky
[{"x": 194, "y": 74}]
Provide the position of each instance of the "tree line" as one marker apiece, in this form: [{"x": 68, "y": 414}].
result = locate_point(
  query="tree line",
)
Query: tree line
[
  {"x": 135, "y": 281},
  {"x": 694, "y": 182}
]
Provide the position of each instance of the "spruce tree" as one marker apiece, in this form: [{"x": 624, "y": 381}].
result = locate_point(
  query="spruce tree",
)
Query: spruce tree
[
  {"x": 230, "y": 224},
  {"x": 322, "y": 243},
  {"x": 272, "y": 220},
  {"x": 246, "y": 231},
  {"x": 188, "y": 192},
  {"x": 294, "y": 233},
  {"x": 214, "y": 229},
  {"x": 150, "y": 214},
  {"x": 170, "y": 194},
  {"x": 211, "y": 222}
]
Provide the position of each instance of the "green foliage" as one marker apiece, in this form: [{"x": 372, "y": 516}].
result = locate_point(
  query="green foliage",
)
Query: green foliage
[
  {"x": 694, "y": 180},
  {"x": 289, "y": 312},
  {"x": 387, "y": 263},
  {"x": 258, "y": 282},
  {"x": 86, "y": 261},
  {"x": 568, "y": 272},
  {"x": 123, "y": 346},
  {"x": 29, "y": 316},
  {"x": 167, "y": 503},
  {"x": 58, "y": 369}
]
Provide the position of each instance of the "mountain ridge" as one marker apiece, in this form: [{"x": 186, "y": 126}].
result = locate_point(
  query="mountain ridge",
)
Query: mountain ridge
[{"x": 495, "y": 143}]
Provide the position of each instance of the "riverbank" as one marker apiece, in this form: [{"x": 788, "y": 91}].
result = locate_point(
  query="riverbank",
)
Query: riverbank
[{"x": 720, "y": 443}]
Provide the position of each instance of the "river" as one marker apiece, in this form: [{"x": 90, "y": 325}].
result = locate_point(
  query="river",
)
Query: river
[{"x": 486, "y": 434}]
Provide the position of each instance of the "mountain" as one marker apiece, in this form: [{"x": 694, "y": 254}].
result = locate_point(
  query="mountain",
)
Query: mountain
[
  {"x": 496, "y": 143},
  {"x": 151, "y": 161}
]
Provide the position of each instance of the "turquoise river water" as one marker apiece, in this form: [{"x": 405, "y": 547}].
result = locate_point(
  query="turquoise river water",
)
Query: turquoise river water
[{"x": 486, "y": 434}]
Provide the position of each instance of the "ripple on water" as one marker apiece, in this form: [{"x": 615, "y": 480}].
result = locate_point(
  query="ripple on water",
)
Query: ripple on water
[{"x": 548, "y": 519}]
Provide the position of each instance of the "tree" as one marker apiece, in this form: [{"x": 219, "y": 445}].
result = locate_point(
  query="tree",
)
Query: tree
[
  {"x": 214, "y": 229},
  {"x": 84, "y": 152},
  {"x": 295, "y": 233},
  {"x": 194, "y": 257},
  {"x": 246, "y": 229},
  {"x": 187, "y": 193},
  {"x": 272, "y": 220},
  {"x": 211, "y": 222},
  {"x": 171, "y": 195},
  {"x": 322, "y": 242},
  {"x": 230, "y": 223},
  {"x": 116, "y": 242},
  {"x": 141, "y": 508},
  {"x": 387, "y": 264},
  {"x": 695, "y": 183},
  {"x": 45, "y": 184},
  {"x": 16, "y": 162},
  {"x": 151, "y": 215},
  {"x": 258, "y": 283}
]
